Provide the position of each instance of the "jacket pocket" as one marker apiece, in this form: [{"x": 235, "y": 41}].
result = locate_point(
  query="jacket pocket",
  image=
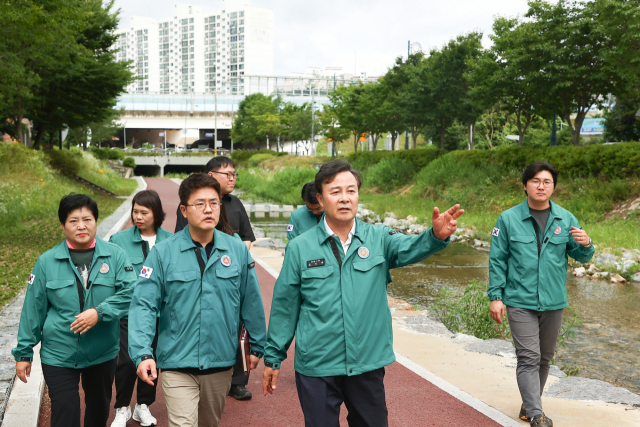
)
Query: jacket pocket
[
  {"x": 368, "y": 264},
  {"x": 63, "y": 294},
  {"x": 318, "y": 272},
  {"x": 102, "y": 288}
]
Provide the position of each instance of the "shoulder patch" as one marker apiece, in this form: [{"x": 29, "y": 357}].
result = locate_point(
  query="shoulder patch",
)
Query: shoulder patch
[
  {"x": 393, "y": 232},
  {"x": 289, "y": 227},
  {"x": 32, "y": 277},
  {"x": 496, "y": 231},
  {"x": 128, "y": 269},
  {"x": 315, "y": 263},
  {"x": 146, "y": 272},
  {"x": 253, "y": 264}
]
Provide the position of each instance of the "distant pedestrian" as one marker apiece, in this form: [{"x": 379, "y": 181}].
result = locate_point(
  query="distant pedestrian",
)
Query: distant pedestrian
[
  {"x": 223, "y": 170},
  {"x": 332, "y": 295},
  {"x": 76, "y": 295},
  {"x": 147, "y": 216},
  {"x": 305, "y": 217},
  {"x": 199, "y": 283},
  {"x": 528, "y": 276}
]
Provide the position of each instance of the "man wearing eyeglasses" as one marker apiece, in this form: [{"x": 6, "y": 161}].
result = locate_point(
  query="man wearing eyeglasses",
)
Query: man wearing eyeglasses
[
  {"x": 224, "y": 171},
  {"x": 528, "y": 278},
  {"x": 199, "y": 283}
]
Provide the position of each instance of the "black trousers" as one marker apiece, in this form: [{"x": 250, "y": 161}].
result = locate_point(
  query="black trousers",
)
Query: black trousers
[
  {"x": 363, "y": 395},
  {"x": 126, "y": 375},
  {"x": 239, "y": 378},
  {"x": 65, "y": 396}
]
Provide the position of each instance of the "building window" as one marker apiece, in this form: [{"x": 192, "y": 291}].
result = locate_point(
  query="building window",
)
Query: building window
[
  {"x": 242, "y": 37},
  {"x": 191, "y": 20},
  {"x": 242, "y": 29},
  {"x": 234, "y": 38}
]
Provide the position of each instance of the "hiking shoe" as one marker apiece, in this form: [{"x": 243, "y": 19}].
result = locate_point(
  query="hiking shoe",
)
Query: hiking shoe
[
  {"x": 541, "y": 421},
  {"x": 523, "y": 414},
  {"x": 142, "y": 415},
  {"x": 239, "y": 392},
  {"x": 122, "y": 416}
]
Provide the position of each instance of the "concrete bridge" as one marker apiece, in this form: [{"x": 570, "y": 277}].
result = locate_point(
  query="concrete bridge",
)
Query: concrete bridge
[{"x": 161, "y": 161}]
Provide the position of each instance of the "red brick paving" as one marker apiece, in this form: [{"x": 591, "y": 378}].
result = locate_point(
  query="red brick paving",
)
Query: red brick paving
[{"x": 412, "y": 400}]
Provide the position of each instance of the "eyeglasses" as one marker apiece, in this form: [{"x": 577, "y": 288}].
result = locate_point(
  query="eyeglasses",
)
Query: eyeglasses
[
  {"x": 536, "y": 183},
  {"x": 200, "y": 205},
  {"x": 230, "y": 175}
]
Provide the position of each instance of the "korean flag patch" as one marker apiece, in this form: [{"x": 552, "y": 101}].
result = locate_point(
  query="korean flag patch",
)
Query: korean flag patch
[
  {"x": 290, "y": 227},
  {"x": 32, "y": 277},
  {"x": 496, "y": 231},
  {"x": 146, "y": 272}
]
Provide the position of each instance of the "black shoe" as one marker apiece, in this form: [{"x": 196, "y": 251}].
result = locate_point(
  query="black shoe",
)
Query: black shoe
[
  {"x": 541, "y": 421},
  {"x": 523, "y": 414},
  {"x": 239, "y": 392}
]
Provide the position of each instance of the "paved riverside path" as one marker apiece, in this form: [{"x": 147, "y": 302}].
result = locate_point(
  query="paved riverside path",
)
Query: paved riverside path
[{"x": 412, "y": 400}]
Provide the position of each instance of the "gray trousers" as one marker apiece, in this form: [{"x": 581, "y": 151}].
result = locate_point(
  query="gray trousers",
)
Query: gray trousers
[{"x": 535, "y": 335}]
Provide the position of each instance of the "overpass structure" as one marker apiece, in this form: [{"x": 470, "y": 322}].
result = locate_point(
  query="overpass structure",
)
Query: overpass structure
[
  {"x": 174, "y": 119},
  {"x": 159, "y": 162}
]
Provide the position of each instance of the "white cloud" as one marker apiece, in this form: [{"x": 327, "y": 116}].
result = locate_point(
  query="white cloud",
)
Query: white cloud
[{"x": 373, "y": 32}]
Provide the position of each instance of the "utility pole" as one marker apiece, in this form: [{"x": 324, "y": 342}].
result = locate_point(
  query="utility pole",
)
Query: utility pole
[
  {"x": 215, "y": 121},
  {"x": 554, "y": 137},
  {"x": 312, "y": 118}
]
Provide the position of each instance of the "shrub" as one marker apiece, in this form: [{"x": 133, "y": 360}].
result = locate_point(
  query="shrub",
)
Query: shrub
[
  {"x": 106, "y": 153},
  {"x": 389, "y": 174},
  {"x": 283, "y": 187},
  {"x": 241, "y": 156},
  {"x": 469, "y": 314},
  {"x": 68, "y": 162},
  {"x": 128, "y": 162},
  {"x": 256, "y": 159},
  {"x": 419, "y": 158}
]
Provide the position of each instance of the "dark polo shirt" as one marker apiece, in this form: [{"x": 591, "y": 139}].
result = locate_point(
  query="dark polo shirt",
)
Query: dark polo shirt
[{"x": 238, "y": 218}]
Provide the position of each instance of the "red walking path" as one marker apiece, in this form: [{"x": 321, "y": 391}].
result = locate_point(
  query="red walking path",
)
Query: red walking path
[{"x": 412, "y": 400}]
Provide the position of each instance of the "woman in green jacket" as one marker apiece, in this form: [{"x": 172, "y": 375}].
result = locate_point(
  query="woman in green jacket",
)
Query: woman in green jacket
[
  {"x": 75, "y": 296},
  {"x": 147, "y": 217}
]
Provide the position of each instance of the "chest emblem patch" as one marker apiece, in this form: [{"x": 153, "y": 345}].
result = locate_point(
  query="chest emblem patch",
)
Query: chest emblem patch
[
  {"x": 226, "y": 260},
  {"x": 363, "y": 253},
  {"x": 104, "y": 268},
  {"x": 558, "y": 230},
  {"x": 290, "y": 227}
]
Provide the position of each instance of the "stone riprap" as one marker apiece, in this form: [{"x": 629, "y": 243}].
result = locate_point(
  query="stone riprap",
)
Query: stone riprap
[
  {"x": 9, "y": 321},
  {"x": 578, "y": 388}
]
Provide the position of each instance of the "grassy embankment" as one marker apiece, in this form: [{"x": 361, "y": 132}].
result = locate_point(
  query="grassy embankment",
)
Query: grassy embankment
[
  {"x": 31, "y": 186},
  {"x": 592, "y": 181}
]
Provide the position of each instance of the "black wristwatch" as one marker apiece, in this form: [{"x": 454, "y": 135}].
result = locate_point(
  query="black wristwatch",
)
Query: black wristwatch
[
  {"x": 146, "y": 357},
  {"x": 256, "y": 354},
  {"x": 272, "y": 365}
]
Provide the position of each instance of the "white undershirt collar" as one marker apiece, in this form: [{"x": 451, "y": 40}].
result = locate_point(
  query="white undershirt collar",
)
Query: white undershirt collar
[{"x": 345, "y": 245}]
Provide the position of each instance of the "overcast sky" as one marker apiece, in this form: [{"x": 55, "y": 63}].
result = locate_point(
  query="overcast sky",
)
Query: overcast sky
[{"x": 363, "y": 34}]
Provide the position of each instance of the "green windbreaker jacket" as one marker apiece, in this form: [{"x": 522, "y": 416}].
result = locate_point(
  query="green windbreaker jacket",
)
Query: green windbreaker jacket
[
  {"x": 340, "y": 315},
  {"x": 521, "y": 278},
  {"x": 199, "y": 314},
  {"x": 52, "y": 301},
  {"x": 301, "y": 220}
]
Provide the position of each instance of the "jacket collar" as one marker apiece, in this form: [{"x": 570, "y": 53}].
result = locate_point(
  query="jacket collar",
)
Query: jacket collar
[
  {"x": 323, "y": 235},
  {"x": 553, "y": 213},
  {"x": 186, "y": 242},
  {"x": 62, "y": 250}
]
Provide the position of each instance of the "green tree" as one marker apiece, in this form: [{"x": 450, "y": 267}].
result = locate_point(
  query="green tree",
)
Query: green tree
[
  {"x": 345, "y": 105},
  {"x": 251, "y": 125},
  {"x": 570, "y": 47},
  {"x": 83, "y": 91},
  {"x": 622, "y": 123}
]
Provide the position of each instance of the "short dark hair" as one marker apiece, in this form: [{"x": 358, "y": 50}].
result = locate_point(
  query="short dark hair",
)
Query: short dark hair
[
  {"x": 149, "y": 199},
  {"x": 329, "y": 170},
  {"x": 218, "y": 163},
  {"x": 539, "y": 166},
  {"x": 196, "y": 181},
  {"x": 309, "y": 193},
  {"x": 73, "y": 201}
]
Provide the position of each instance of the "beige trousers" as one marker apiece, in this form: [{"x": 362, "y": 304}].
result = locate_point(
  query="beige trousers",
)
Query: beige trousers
[{"x": 195, "y": 400}]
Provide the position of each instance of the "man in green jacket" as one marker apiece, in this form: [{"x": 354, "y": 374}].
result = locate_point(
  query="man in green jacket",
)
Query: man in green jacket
[
  {"x": 528, "y": 275},
  {"x": 305, "y": 217},
  {"x": 332, "y": 295},
  {"x": 200, "y": 281},
  {"x": 77, "y": 293}
]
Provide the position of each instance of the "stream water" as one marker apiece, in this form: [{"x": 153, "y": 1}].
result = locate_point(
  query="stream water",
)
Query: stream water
[{"x": 606, "y": 346}]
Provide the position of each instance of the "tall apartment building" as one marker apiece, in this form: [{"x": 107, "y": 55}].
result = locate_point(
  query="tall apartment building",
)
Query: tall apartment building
[{"x": 194, "y": 52}]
